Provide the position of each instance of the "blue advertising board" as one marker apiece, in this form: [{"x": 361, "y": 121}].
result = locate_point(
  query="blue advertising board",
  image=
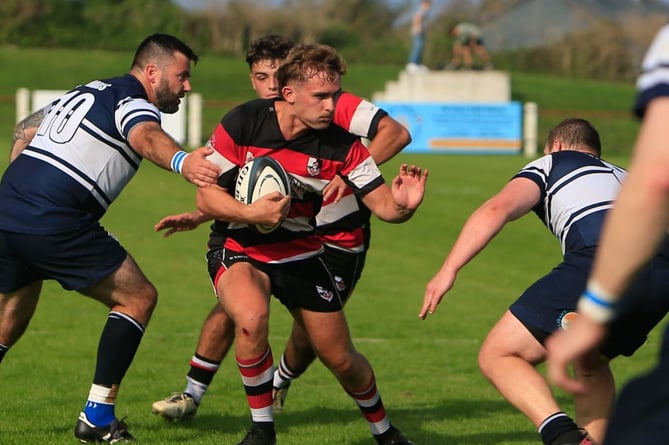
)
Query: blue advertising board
[{"x": 459, "y": 128}]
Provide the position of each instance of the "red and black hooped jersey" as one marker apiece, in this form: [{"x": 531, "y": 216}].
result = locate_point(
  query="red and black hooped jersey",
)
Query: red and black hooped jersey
[
  {"x": 312, "y": 160},
  {"x": 344, "y": 224}
]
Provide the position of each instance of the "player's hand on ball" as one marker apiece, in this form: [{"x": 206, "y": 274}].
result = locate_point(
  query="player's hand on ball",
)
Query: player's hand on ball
[{"x": 270, "y": 209}]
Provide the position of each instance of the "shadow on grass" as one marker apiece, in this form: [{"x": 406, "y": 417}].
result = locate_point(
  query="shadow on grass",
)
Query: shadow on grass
[{"x": 419, "y": 424}]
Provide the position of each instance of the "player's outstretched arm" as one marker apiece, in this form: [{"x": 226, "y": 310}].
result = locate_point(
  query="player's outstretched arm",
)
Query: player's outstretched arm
[
  {"x": 181, "y": 222},
  {"x": 516, "y": 199},
  {"x": 154, "y": 144}
]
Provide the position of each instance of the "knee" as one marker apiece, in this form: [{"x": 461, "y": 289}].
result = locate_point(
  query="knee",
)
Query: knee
[
  {"x": 253, "y": 327},
  {"x": 487, "y": 360},
  {"x": 341, "y": 363},
  {"x": 148, "y": 297}
]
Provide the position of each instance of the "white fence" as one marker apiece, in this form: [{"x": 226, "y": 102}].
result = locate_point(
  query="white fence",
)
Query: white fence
[{"x": 185, "y": 126}]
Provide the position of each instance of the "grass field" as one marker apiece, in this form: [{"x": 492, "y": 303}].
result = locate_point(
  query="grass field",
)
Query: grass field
[{"x": 426, "y": 370}]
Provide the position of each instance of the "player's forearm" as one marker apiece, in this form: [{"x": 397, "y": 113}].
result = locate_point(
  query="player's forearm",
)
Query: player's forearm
[
  {"x": 390, "y": 139},
  {"x": 381, "y": 202},
  {"x": 477, "y": 232},
  {"x": 154, "y": 145},
  {"x": 216, "y": 203}
]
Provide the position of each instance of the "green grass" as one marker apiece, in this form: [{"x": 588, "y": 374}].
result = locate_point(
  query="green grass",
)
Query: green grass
[{"x": 426, "y": 370}]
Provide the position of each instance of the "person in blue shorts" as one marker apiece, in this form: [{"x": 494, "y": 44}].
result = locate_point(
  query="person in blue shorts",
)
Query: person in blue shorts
[
  {"x": 633, "y": 235},
  {"x": 69, "y": 162},
  {"x": 571, "y": 189}
]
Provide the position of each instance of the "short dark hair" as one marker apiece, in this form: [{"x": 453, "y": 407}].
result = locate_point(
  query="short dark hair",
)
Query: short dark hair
[
  {"x": 269, "y": 47},
  {"x": 577, "y": 133},
  {"x": 159, "y": 45},
  {"x": 307, "y": 60}
]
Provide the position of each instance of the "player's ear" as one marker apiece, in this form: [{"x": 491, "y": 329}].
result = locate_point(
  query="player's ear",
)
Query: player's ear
[
  {"x": 152, "y": 73},
  {"x": 557, "y": 146},
  {"x": 288, "y": 94}
]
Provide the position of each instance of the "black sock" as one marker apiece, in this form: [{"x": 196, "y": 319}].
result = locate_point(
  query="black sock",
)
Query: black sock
[
  {"x": 204, "y": 370},
  {"x": 3, "y": 351},
  {"x": 268, "y": 427},
  {"x": 554, "y": 426},
  {"x": 118, "y": 344}
]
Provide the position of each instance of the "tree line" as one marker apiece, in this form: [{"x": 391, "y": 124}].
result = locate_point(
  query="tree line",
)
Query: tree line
[{"x": 364, "y": 31}]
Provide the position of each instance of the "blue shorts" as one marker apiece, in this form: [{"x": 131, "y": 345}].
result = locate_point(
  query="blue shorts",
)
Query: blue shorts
[
  {"x": 548, "y": 303},
  {"x": 76, "y": 260},
  {"x": 304, "y": 284}
]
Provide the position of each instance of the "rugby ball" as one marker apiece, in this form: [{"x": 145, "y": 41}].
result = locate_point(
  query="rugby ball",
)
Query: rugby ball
[{"x": 258, "y": 177}]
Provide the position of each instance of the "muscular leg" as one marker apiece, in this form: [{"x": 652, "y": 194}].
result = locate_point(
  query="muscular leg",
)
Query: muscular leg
[
  {"x": 131, "y": 298},
  {"x": 217, "y": 334},
  {"x": 593, "y": 409},
  {"x": 126, "y": 290},
  {"x": 216, "y": 337},
  {"x": 507, "y": 359},
  {"x": 332, "y": 342},
  {"x": 16, "y": 310},
  {"x": 244, "y": 293},
  {"x": 298, "y": 354}
]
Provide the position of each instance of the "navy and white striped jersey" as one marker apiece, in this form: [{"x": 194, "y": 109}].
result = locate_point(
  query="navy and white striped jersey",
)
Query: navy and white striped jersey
[
  {"x": 654, "y": 79},
  {"x": 577, "y": 189},
  {"x": 79, "y": 161}
]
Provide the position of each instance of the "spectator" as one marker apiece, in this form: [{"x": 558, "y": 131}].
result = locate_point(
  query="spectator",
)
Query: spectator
[
  {"x": 468, "y": 41},
  {"x": 418, "y": 34}
]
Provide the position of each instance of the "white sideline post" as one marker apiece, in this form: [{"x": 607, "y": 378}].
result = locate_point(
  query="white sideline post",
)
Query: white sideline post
[
  {"x": 530, "y": 112},
  {"x": 22, "y": 104},
  {"x": 194, "y": 119}
]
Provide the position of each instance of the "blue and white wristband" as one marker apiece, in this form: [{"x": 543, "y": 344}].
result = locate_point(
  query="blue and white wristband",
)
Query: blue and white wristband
[
  {"x": 598, "y": 304},
  {"x": 178, "y": 161}
]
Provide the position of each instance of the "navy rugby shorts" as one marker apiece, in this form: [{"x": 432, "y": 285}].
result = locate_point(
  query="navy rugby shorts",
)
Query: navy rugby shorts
[
  {"x": 547, "y": 305},
  {"x": 76, "y": 260}
]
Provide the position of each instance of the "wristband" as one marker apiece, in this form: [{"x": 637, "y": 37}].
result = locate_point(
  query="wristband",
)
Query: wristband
[
  {"x": 178, "y": 161},
  {"x": 597, "y": 304}
]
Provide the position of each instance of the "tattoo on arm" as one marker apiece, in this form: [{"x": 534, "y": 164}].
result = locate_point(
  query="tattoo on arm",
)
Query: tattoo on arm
[{"x": 25, "y": 131}]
